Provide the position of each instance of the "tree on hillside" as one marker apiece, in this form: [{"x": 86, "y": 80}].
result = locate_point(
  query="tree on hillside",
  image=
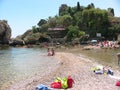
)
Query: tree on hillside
[
  {"x": 35, "y": 29},
  {"x": 74, "y": 32},
  {"x": 63, "y": 10},
  {"x": 65, "y": 20},
  {"x": 77, "y": 18},
  {"x": 89, "y": 19},
  {"x": 44, "y": 28},
  {"x": 95, "y": 21},
  {"x": 70, "y": 11},
  {"x": 41, "y": 22},
  {"x": 90, "y": 6},
  {"x": 110, "y": 11},
  {"x": 52, "y": 21},
  {"x": 78, "y": 6}
]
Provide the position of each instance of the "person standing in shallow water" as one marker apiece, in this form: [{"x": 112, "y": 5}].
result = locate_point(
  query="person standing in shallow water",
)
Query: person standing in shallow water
[
  {"x": 49, "y": 52},
  {"x": 53, "y": 52},
  {"x": 118, "y": 55}
]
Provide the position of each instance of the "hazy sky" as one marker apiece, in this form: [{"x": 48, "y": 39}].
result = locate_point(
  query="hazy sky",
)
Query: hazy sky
[{"x": 23, "y": 14}]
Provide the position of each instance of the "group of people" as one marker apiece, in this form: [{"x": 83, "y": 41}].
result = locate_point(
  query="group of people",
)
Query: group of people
[
  {"x": 102, "y": 70},
  {"x": 51, "y": 52},
  {"x": 109, "y": 44}
]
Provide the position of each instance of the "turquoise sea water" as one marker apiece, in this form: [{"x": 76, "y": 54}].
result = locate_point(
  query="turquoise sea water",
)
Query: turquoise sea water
[{"x": 19, "y": 63}]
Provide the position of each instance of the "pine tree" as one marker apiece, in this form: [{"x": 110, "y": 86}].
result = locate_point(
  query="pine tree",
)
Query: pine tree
[{"x": 78, "y": 6}]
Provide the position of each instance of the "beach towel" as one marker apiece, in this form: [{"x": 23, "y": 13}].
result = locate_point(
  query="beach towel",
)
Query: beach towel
[
  {"x": 56, "y": 85},
  {"x": 42, "y": 87},
  {"x": 62, "y": 83},
  {"x": 97, "y": 68},
  {"x": 118, "y": 83},
  {"x": 99, "y": 72},
  {"x": 70, "y": 82}
]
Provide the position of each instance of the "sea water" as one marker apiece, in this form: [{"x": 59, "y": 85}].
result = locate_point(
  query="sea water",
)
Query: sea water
[
  {"x": 107, "y": 57},
  {"x": 20, "y": 63}
]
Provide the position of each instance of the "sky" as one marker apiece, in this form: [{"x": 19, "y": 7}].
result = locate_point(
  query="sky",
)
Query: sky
[{"x": 23, "y": 14}]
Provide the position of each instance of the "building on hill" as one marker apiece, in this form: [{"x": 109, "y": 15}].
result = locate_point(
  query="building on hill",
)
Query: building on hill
[
  {"x": 114, "y": 21},
  {"x": 57, "y": 34}
]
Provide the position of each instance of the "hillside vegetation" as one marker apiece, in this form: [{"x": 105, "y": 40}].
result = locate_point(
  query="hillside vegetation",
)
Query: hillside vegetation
[{"x": 79, "y": 22}]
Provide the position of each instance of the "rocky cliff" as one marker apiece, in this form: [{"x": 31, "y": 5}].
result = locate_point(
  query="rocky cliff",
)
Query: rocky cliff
[
  {"x": 5, "y": 32},
  {"x": 29, "y": 37}
]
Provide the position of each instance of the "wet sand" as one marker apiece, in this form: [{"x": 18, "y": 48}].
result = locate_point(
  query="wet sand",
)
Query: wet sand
[{"x": 78, "y": 67}]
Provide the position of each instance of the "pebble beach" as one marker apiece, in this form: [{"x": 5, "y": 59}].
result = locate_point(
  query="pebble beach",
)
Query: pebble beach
[{"x": 78, "y": 67}]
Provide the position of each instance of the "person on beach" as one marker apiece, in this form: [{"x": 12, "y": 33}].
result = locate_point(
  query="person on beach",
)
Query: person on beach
[
  {"x": 103, "y": 70},
  {"x": 51, "y": 52},
  {"x": 118, "y": 55}
]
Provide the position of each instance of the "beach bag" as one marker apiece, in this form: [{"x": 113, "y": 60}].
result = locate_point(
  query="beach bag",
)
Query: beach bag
[
  {"x": 118, "y": 83},
  {"x": 110, "y": 72},
  {"x": 60, "y": 83},
  {"x": 41, "y": 87},
  {"x": 64, "y": 82},
  {"x": 70, "y": 82},
  {"x": 99, "y": 72},
  {"x": 56, "y": 85}
]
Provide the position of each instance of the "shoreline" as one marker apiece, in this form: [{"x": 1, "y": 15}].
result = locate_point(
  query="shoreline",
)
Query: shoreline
[{"x": 78, "y": 68}]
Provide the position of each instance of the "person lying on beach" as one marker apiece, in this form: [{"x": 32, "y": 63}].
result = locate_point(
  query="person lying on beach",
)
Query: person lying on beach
[
  {"x": 99, "y": 71},
  {"x": 102, "y": 70}
]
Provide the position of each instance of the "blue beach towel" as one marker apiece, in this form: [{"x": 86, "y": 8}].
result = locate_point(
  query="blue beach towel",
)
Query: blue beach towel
[{"x": 42, "y": 87}]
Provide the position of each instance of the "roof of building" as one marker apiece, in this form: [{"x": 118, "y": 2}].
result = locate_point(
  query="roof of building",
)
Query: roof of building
[{"x": 54, "y": 29}]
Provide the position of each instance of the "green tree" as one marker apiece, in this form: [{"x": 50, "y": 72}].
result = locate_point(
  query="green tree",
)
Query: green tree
[
  {"x": 70, "y": 11},
  {"x": 78, "y": 6},
  {"x": 113, "y": 31},
  {"x": 78, "y": 18},
  {"x": 66, "y": 20},
  {"x": 41, "y": 22},
  {"x": 35, "y": 29},
  {"x": 95, "y": 21},
  {"x": 44, "y": 28},
  {"x": 90, "y": 6},
  {"x": 74, "y": 32},
  {"x": 52, "y": 21},
  {"x": 111, "y": 12},
  {"x": 74, "y": 10},
  {"x": 63, "y": 10}
]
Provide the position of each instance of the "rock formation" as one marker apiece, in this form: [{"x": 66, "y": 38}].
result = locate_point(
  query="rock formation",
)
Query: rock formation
[
  {"x": 5, "y": 32},
  {"x": 29, "y": 37}
]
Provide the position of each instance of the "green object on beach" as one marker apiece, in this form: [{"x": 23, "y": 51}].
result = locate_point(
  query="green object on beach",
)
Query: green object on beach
[
  {"x": 63, "y": 82},
  {"x": 58, "y": 79},
  {"x": 97, "y": 68}
]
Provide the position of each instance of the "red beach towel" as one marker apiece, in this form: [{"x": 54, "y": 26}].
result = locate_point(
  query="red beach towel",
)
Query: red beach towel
[
  {"x": 70, "y": 82},
  {"x": 57, "y": 85},
  {"x": 118, "y": 83}
]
